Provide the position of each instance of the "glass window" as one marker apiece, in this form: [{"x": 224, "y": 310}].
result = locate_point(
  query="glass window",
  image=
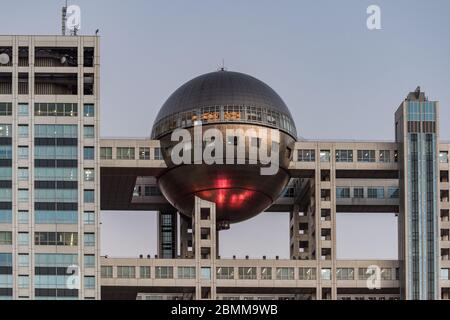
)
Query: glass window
[
  {"x": 24, "y": 282},
  {"x": 307, "y": 274},
  {"x": 89, "y": 282},
  {"x": 5, "y": 237},
  {"x": 23, "y": 238},
  {"x": 358, "y": 192},
  {"x": 326, "y": 274},
  {"x": 5, "y": 108},
  {"x": 24, "y": 260},
  {"x": 89, "y": 260},
  {"x": 342, "y": 192},
  {"x": 325, "y": 156},
  {"x": 105, "y": 153},
  {"x": 56, "y": 238},
  {"x": 445, "y": 274},
  {"x": 23, "y": 217},
  {"x": 89, "y": 131},
  {"x": 186, "y": 272},
  {"x": 22, "y": 174},
  {"x": 89, "y": 217},
  {"x": 22, "y": 152},
  {"x": 266, "y": 273},
  {"x": 144, "y": 272},
  {"x": 443, "y": 156},
  {"x": 88, "y": 153},
  {"x": 393, "y": 193},
  {"x": 364, "y": 273},
  {"x": 385, "y": 156},
  {"x": 285, "y": 273},
  {"x": 345, "y": 274},
  {"x": 225, "y": 273},
  {"x": 205, "y": 273},
  {"x": 158, "y": 154},
  {"x": 247, "y": 273},
  {"x": 89, "y": 239},
  {"x": 366, "y": 155},
  {"x": 23, "y": 195},
  {"x": 89, "y": 196},
  {"x": 125, "y": 153},
  {"x": 144, "y": 153},
  {"x": 306, "y": 155},
  {"x": 375, "y": 193},
  {"x": 386, "y": 274},
  {"x": 88, "y": 110},
  {"x": 22, "y": 130},
  {"x": 164, "y": 272},
  {"x": 344, "y": 155},
  {"x": 89, "y": 174},
  {"x": 5, "y": 130},
  {"x": 106, "y": 271},
  {"x": 56, "y": 109},
  {"x": 22, "y": 109}
]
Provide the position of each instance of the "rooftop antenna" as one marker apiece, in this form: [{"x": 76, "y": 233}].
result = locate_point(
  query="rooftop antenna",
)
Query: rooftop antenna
[
  {"x": 222, "y": 68},
  {"x": 64, "y": 19}
]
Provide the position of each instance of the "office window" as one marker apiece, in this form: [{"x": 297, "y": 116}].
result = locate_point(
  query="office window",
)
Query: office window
[
  {"x": 89, "y": 196},
  {"x": 325, "y": 156},
  {"x": 364, "y": 273},
  {"x": 105, "y": 153},
  {"x": 5, "y": 237},
  {"x": 88, "y": 153},
  {"x": 443, "y": 156},
  {"x": 56, "y": 238},
  {"x": 344, "y": 155},
  {"x": 22, "y": 174},
  {"x": 307, "y": 274},
  {"x": 23, "y": 282},
  {"x": 266, "y": 273},
  {"x": 366, "y": 155},
  {"x": 5, "y": 130},
  {"x": 56, "y": 109},
  {"x": 225, "y": 273},
  {"x": 23, "y": 238},
  {"x": 5, "y": 109},
  {"x": 89, "y": 261},
  {"x": 342, "y": 192},
  {"x": 247, "y": 273},
  {"x": 23, "y": 259},
  {"x": 158, "y": 154},
  {"x": 22, "y": 109},
  {"x": 358, "y": 192},
  {"x": 345, "y": 274},
  {"x": 89, "y": 174},
  {"x": 186, "y": 272},
  {"x": 22, "y": 130},
  {"x": 22, "y": 216},
  {"x": 445, "y": 274},
  {"x": 164, "y": 272},
  {"x": 396, "y": 156},
  {"x": 205, "y": 273},
  {"x": 23, "y": 195},
  {"x": 89, "y": 239},
  {"x": 89, "y": 282},
  {"x": 89, "y": 217},
  {"x": 375, "y": 193},
  {"x": 326, "y": 274},
  {"x": 89, "y": 131},
  {"x": 144, "y": 272},
  {"x": 385, "y": 156},
  {"x": 285, "y": 273},
  {"x": 125, "y": 153},
  {"x": 306, "y": 155},
  {"x": 106, "y": 271},
  {"x": 393, "y": 193},
  {"x": 22, "y": 152},
  {"x": 386, "y": 274},
  {"x": 88, "y": 110},
  {"x": 144, "y": 153}
]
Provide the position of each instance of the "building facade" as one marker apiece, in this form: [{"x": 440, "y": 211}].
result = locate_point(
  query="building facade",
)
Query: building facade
[{"x": 57, "y": 174}]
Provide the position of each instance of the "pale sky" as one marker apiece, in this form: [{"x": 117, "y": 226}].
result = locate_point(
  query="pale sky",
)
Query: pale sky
[{"x": 340, "y": 81}]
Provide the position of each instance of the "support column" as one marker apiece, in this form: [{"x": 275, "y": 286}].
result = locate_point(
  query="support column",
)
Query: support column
[
  {"x": 167, "y": 234},
  {"x": 205, "y": 248}
]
